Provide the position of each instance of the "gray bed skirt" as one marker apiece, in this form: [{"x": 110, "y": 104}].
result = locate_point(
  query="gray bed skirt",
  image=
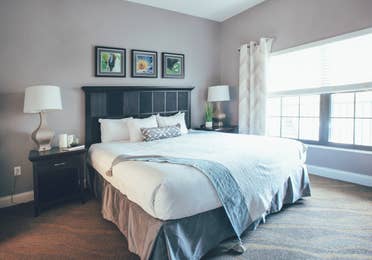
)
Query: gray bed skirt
[{"x": 186, "y": 238}]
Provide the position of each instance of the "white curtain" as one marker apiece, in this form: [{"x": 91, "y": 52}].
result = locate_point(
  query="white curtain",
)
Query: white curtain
[{"x": 252, "y": 86}]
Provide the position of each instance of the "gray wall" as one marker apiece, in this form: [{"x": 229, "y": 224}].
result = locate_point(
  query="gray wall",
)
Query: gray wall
[
  {"x": 51, "y": 42},
  {"x": 341, "y": 159},
  {"x": 292, "y": 23}
]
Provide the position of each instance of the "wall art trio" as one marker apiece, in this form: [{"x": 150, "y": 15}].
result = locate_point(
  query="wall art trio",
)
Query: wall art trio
[{"x": 111, "y": 62}]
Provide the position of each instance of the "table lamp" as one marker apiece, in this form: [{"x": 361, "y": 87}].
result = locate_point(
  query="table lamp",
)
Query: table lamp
[
  {"x": 218, "y": 94},
  {"x": 39, "y": 99}
]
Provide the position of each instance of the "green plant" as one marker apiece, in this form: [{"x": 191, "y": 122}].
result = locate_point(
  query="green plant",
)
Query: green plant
[{"x": 208, "y": 112}]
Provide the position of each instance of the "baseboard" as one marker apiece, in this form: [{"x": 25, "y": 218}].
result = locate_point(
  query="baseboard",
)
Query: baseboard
[
  {"x": 352, "y": 177},
  {"x": 316, "y": 170},
  {"x": 17, "y": 199}
]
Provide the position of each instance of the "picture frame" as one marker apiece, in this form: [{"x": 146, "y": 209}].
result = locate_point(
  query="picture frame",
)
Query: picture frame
[
  {"x": 173, "y": 65},
  {"x": 110, "y": 62},
  {"x": 144, "y": 64}
]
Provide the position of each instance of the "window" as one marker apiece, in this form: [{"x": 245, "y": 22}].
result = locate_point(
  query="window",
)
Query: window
[
  {"x": 294, "y": 117},
  {"x": 351, "y": 118},
  {"x": 363, "y": 118},
  {"x": 342, "y": 118},
  {"x": 322, "y": 94}
]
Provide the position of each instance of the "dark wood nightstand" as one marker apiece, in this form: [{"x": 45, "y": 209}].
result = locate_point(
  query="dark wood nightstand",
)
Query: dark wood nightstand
[
  {"x": 224, "y": 129},
  {"x": 58, "y": 177}
]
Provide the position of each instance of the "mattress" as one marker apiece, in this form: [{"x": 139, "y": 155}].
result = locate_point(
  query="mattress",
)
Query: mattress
[{"x": 169, "y": 191}]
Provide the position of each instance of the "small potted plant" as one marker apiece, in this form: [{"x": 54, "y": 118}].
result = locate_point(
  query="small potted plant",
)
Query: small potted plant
[{"x": 208, "y": 115}]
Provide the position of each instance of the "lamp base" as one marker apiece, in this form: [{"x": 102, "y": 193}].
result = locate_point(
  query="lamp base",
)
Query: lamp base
[
  {"x": 219, "y": 115},
  {"x": 219, "y": 124},
  {"x": 43, "y": 136}
]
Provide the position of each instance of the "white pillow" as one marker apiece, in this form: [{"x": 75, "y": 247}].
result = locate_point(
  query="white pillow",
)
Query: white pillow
[
  {"x": 178, "y": 118},
  {"x": 135, "y": 125},
  {"x": 114, "y": 129}
]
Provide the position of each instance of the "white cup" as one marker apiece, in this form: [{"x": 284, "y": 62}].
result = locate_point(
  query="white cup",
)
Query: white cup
[
  {"x": 62, "y": 141},
  {"x": 70, "y": 140}
]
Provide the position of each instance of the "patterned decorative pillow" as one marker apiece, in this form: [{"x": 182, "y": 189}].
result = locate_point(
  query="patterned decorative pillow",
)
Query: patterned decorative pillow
[{"x": 157, "y": 133}]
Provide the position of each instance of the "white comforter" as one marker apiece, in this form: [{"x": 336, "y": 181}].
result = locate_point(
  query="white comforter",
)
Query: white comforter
[{"x": 169, "y": 191}]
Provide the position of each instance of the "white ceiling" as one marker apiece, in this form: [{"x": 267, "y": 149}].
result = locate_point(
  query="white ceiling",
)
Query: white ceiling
[{"x": 217, "y": 10}]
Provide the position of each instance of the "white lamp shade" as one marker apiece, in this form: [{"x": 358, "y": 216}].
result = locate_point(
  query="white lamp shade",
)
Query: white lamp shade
[
  {"x": 41, "y": 98},
  {"x": 218, "y": 93}
]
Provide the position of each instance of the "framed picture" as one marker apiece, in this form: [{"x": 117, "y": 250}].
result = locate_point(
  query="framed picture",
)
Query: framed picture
[
  {"x": 110, "y": 62},
  {"x": 173, "y": 65},
  {"x": 144, "y": 64}
]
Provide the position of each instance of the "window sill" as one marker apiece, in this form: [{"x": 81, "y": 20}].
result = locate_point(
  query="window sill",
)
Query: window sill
[{"x": 339, "y": 148}]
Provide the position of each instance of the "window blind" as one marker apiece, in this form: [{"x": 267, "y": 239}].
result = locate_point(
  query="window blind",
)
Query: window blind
[{"x": 340, "y": 65}]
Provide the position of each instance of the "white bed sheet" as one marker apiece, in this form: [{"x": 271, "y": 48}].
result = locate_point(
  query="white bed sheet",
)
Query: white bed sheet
[
  {"x": 168, "y": 191},
  {"x": 165, "y": 191}
]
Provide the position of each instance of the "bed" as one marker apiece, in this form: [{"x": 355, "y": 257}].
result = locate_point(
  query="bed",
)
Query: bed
[{"x": 173, "y": 207}]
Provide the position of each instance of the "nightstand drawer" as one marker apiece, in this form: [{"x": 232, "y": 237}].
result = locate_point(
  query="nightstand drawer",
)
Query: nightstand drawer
[{"x": 58, "y": 163}]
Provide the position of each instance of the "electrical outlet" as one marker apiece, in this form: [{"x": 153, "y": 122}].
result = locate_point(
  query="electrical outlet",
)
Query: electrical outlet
[{"x": 17, "y": 171}]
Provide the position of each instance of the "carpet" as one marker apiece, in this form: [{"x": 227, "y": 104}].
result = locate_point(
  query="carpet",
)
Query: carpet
[{"x": 335, "y": 223}]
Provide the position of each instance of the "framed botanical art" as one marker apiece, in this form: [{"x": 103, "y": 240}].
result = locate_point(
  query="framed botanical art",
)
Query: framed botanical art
[
  {"x": 173, "y": 65},
  {"x": 110, "y": 62},
  {"x": 144, "y": 64}
]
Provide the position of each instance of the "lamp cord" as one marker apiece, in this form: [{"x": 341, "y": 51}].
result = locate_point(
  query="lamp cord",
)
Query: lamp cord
[{"x": 13, "y": 190}]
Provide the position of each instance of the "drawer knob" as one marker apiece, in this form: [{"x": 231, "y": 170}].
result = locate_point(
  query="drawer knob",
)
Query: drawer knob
[{"x": 59, "y": 164}]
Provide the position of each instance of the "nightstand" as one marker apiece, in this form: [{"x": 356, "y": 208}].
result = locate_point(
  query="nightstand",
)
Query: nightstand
[
  {"x": 224, "y": 129},
  {"x": 58, "y": 177}
]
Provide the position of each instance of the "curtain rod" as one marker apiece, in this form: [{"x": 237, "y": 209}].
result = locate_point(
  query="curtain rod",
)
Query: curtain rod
[{"x": 255, "y": 43}]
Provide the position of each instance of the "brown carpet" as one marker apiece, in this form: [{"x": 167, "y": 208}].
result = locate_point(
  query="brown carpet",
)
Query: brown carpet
[{"x": 335, "y": 223}]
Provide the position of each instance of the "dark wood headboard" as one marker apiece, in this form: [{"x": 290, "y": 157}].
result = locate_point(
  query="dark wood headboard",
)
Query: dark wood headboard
[{"x": 125, "y": 101}]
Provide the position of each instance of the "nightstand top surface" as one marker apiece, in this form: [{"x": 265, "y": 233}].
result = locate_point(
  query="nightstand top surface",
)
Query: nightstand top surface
[
  {"x": 217, "y": 129},
  {"x": 53, "y": 153}
]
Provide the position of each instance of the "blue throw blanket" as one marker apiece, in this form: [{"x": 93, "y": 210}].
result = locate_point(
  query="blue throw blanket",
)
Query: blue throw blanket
[{"x": 228, "y": 191}]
